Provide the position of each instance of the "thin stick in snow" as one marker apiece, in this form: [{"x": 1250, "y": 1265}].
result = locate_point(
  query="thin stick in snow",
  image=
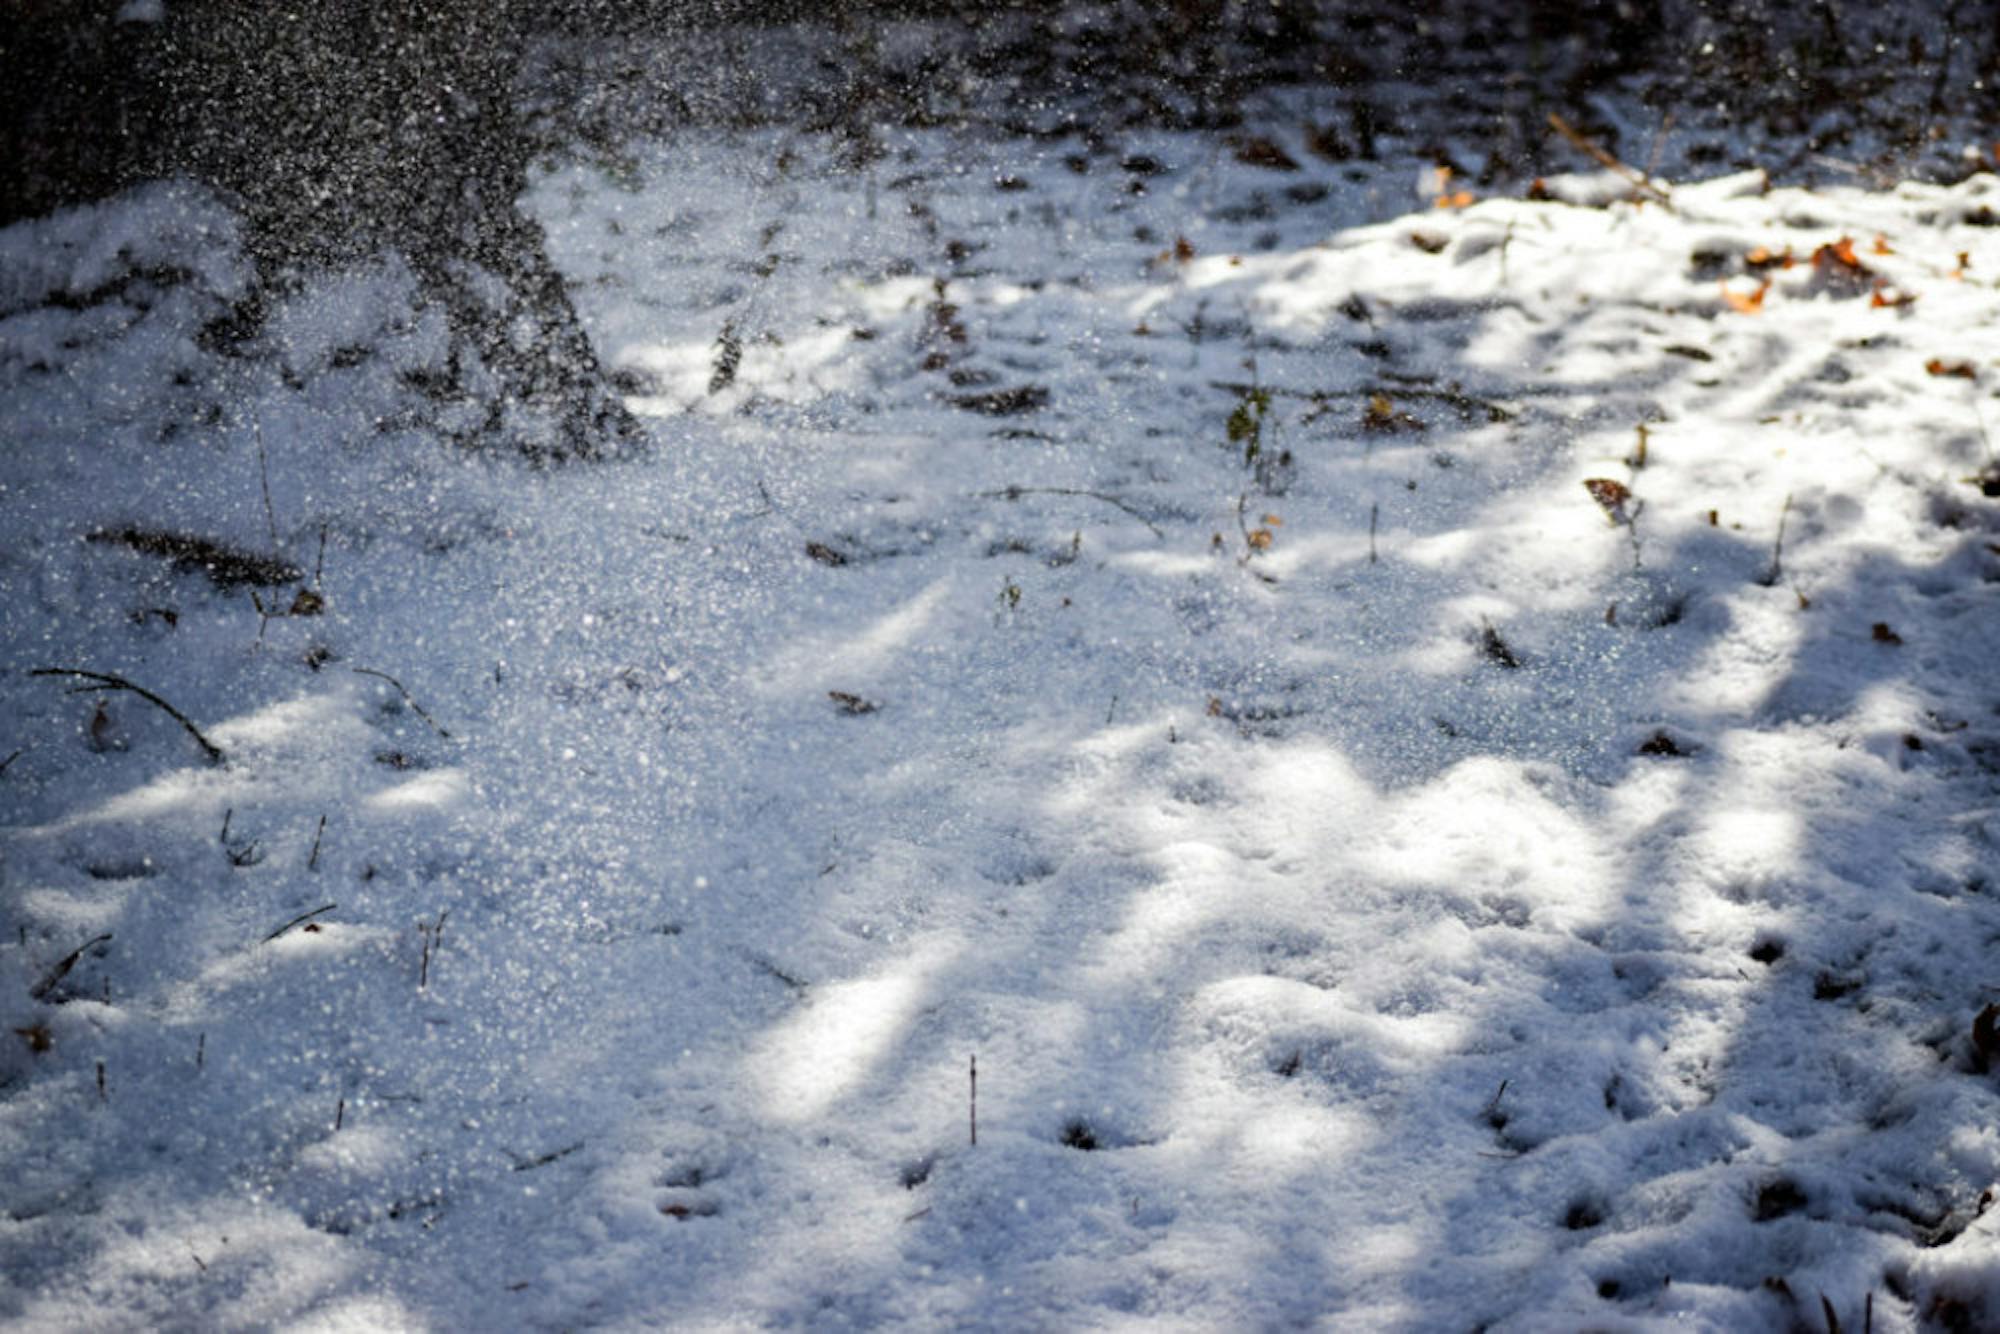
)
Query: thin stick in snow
[
  {"x": 1374, "y": 517},
  {"x": 108, "y": 682},
  {"x": 264, "y": 473},
  {"x": 200, "y": 1050},
  {"x": 50, "y": 979},
  {"x": 312, "y": 862},
  {"x": 1777, "y": 570},
  {"x": 1639, "y": 180},
  {"x": 973, "y": 1106},
  {"x": 339, "y": 1115},
  {"x": 302, "y": 917},
  {"x": 102, "y": 1095},
  {"x": 431, "y": 932},
  {"x": 1016, "y": 492},
  {"x": 407, "y": 699}
]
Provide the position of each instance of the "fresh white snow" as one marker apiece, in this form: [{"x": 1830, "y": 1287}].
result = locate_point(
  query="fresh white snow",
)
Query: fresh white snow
[{"x": 943, "y": 684}]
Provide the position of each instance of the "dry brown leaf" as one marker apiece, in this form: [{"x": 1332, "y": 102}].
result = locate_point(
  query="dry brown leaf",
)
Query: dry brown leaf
[
  {"x": 1610, "y": 495},
  {"x": 1960, "y": 370}
]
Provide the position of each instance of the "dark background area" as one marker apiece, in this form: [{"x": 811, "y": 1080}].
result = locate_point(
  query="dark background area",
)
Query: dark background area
[{"x": 344, "y": 131}]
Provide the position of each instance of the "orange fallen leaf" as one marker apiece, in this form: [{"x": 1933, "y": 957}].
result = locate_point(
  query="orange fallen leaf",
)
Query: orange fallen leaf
[
  {"x": 1881, "y": 246},
  {"x": 1838, "y": 257},
  {"x": 1273, "y": 521},
  {"x": 1456, "y": 199},
  {"x": 1960, "y": 370},
  {"x": 1763, "y": 257},
  {"x": 1886, "y": 296},
  {"x": 1746, "y": 304}
]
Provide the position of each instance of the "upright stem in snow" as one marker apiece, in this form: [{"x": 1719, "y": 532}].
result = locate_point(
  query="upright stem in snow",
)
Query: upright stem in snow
[
  {"x": 974, "y": 1106},
  {"x": 1777, "y": 570}
]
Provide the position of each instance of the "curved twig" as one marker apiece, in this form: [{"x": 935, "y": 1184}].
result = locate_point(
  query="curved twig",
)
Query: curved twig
[
  {"x": 302, "y": 917},
  {"x": 105, "y": 681},
  {"x": 1016, "y": 492},
  {"x": 407, "y": 699}
]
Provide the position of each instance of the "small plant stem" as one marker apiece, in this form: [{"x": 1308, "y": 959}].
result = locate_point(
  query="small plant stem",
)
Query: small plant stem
[
  {"x": 407, "y": 699},
  {"x": 264, "y": 474},
  {"x": 223, "y": 837},
  {"x": 312, "y": 862},
  {"x": 102, "y": 1094},
  {"x": 432, "y": 932},
  {"x": 200, "y": 1051},
  {"x": 319, "y": 566},
  {"x": 55, "y": 975},
  {"x": 105, "y": 681},
  {"x": 339, "y": 1115},
  {"x": 11, "y": 758},
  {"x": 1777, "y": 570},
  {"x": 1374, "y": 517},
  {"x": 973, "y": 1105}
]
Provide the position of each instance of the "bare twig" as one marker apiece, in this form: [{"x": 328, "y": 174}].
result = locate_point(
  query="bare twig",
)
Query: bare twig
[
  {"x": 1374, "y": 515},
  {"x": 407, "y": 699},
  {"x": 431, "y": 931},
  {"x": 1777, "y": 570},
  {"x": 302, "y": 917},
  {"x": 1469, "y": 404},
  {"x": 108, "y": 682},
  {"x": 522, "y": 1164},
  {"x": 312, "y": 862},
  {"x": 1659, "y": 145},
  {"x": 18, "y": 753},
  {"x": 1638, "y": 178},
  {"x": 1016, "y": 492},
  {"x": 52, "y": 978},
  {"x": 264, "y": 473},
  {"x": 973, "y": 1106}
]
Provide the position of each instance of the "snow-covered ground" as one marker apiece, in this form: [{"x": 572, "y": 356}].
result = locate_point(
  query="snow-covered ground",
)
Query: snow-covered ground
[{"x": 1518, "y": 853}]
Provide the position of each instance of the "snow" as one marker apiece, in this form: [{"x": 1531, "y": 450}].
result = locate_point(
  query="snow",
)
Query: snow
[{"x": 1320, "y": 966}]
